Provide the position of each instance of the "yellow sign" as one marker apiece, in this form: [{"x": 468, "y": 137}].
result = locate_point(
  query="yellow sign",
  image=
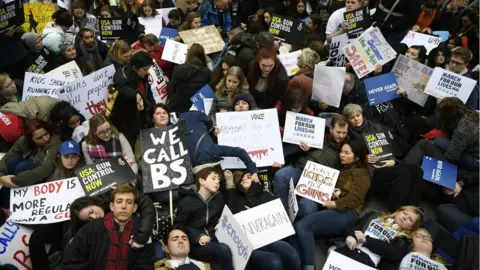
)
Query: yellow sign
[{"x": 37, "y": 16}]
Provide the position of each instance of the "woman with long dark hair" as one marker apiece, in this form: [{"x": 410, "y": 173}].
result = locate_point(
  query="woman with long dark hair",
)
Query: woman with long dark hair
[
  {"x": 65, "y": 118},
  {"x": 219, "y": 72},
  {"x": 438, "y": 57}
]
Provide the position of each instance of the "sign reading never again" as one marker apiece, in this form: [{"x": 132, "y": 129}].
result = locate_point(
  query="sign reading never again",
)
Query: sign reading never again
[{"x": 165, "y": 159}]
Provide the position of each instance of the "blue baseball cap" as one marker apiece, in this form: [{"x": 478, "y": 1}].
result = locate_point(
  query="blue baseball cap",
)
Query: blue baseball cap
[{"x": 69, "y": 147}]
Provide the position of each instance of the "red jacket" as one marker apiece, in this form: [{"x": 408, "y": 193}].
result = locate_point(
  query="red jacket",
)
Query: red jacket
[{"x": 166, "y": 66}]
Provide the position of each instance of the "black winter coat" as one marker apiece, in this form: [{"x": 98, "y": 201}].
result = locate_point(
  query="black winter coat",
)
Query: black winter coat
[{"x": 238, "y": 198}]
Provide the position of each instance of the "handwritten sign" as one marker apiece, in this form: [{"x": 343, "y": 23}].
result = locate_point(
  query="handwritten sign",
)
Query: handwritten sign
[
  {"x": 381, "y": 88},
  {"x": 292, "y": 202},
  {"x": 42, "y": 62},
  {"x": 317, "y": 182},
  {"x": 14, "y": 241},
  {"x": 328, "y": 84},
  {"x": 199, "y": 98},
  {"x": 439, "y": 172},
  {"x": 337, "y": 55},
  {"x": 175, "y": 52},
  {"x": 337, "y": 261},
  {"x": 257, "y": 132},
  {"x": 419, "y": 39},
  {"x": 153, "y": 25},
  {"x": 12, "y": 15},
  {"x": 358, "y": 21},
  {"x": 37, "y": 15},
  {"x": 379, "y": 144},
  {"x": 304, "y": 128},
  {"x": 288, "y": 30},
  {"x": 167, "y": 33},
  {"x": 69, "y": 71},
  {"x": 289, "y": 62},
  {"x": 44, "y": 203},
  {"x": 444, "y": 83},
  {"x": 207, "y": 36},
  {"x": 157, "y": 81},
  {"x": 36, "y": 85}
]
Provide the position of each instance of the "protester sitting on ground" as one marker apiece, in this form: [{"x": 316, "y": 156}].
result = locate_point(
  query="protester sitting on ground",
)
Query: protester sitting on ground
[
  {"x": 438, "y": 57},
  {"x": 69, "y": 159},
  {"x": 422, "y": 249},
  {"x": 150, "y": 43},
  {"x": 295, "y": 101},
  {"x": 233, "y": 83},
  {"x": 8, "y": 90},
  {"x": 336, "y": 25},
  {"x": 90, "y": 48},
  {"x": 303, "y": 78},
  {"x": 148, "y": 9},
  {"x": 119, "y": 54},
  {"x": 81, "y": 18},
  {"x": 193, "y": 21},
  {"x": 65, "y": 118},
  {"x": 243, "y": 102},
  {"x": 220, "y": 70}
]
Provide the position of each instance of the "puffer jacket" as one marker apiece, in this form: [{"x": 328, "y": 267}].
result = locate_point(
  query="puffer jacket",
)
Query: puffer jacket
[{"x": 33, "y": 108}]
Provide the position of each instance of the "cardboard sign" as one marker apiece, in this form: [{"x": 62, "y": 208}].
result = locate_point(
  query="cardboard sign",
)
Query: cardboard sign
[
  {"x": 44, "y": 203},
  {"x": 379, "y": 144},
  {"x": 439, "y": 172},
  {"x": 258, "y": 132},
  {"x": 207, "y": 36},
  {"x": 14, "y": 240},
  {"x": 317, "y": 182},
  {"x": 292, "y": 202},
  {"x": 69, "y": 71},
  {"x": 230, "y": 233},
  {"x": 358, "y": 21},
  {"x": 42, "y": 62},
  {"x": 367, "y": 51},
  {"x": 288, "y": 30},
  {"x": 37, "y": 15},
  {"x": 413, "y": 77},
  {"x": 444, "y": 83},
  {"x": 157, "y": 81},
  {"x": 289, "y": 62},
  {"x": 419, "y": 39},
  {"x": 337, "y": 55},
  {"x": 175, "y": 52},
  {"x": 381, "y": 88},
  {"x": 337, "y": 261},
  {"x": 89, "y": 94},
  {"x": 328, "y": 84},
  {"x": 165, "y": 159},
  {"x": 98, "y": 178},
  {"x": 12, "y": 15},
  {"x": 113, "y": 29},
  {"x": 153, "y": 25},
  {"x": 36, "y": 85},
  {"x": 199, "y": 98},
  {"x": 167, "y": 33},
  {"x": 304, "y": 128}
]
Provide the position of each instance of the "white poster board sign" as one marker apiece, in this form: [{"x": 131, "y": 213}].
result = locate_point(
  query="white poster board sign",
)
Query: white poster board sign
[
  {"x": 153, "y": 25},
  {"x": 44, "y": 203},
  {"x": 175, "y": 52},
  {"x": 419, "y": 39},
  {"x": 89, "y": 94},
  {"x": 158, "y": 84},
  {"x": 208, "y": 102},
  {"x": 317, "y": 182},
  {"x": 292, "y": 202},
  {"x": 304, "y": 128},
  {"x": 14, "y": 249},
  {"x": 69, "y": 71},
  {"x": 337, "y": 55},
  {"x": 328, "y": 84},
  {"x": 257, "y": 132},
  {"x": 36, "y": 85},
  {"x": 444, "y": 83},
  {"x": 289, "y": 62},
  {"x": 337, "y": 261}
]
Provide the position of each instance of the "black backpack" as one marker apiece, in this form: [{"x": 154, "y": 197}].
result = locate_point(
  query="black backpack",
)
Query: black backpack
[{"x": 162, "y": 223}]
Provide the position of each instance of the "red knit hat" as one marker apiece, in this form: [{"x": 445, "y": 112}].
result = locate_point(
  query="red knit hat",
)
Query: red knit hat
[{"x": 11, "y": 127}]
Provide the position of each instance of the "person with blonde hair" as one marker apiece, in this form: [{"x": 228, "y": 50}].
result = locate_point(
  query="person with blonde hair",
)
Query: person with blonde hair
[
  {"x": 8, "y": 90},
  {"x": 422, "y": 248},
  {"x": 119, "y": 55},
  {"x": 303, "y": 79}
]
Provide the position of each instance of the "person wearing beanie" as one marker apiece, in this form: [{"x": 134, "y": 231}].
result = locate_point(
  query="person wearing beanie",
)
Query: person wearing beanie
[
  {"x": 243, "y": 102},
  {"x": 65, "y": 118},
  {"x": 67, "y": 51},
  {"x": 33, "y": 42}
]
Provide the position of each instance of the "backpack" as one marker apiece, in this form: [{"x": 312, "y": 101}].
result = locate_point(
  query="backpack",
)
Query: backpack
[{"x": 162, "y": 223}]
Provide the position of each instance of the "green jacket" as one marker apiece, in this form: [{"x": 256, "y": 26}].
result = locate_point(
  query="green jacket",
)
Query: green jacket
[{"x": 38, "y": 107}]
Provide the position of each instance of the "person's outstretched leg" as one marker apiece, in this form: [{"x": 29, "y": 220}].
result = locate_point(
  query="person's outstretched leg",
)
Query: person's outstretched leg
[{"x": 281, "y": 182}]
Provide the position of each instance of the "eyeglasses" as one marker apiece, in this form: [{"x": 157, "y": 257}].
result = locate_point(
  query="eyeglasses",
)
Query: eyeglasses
[
  {"x": 423, "y": 237},
  {"x": 105, "y": 132},
  {"x": 456, "y": 63}
]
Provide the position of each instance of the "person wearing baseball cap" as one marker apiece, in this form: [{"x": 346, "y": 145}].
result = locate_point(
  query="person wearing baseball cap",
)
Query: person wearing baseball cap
[{"x": 69, "y": 159}]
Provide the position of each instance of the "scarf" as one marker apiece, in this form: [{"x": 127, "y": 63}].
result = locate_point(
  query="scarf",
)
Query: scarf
[
  {"x": 92, "y": 53},
  {"x": 118, "y": 246},
  {"x": 105, "y": 150}
]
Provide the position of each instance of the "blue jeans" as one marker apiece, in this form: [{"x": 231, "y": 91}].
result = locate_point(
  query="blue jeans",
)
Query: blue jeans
[
  {"x": 16, "y": 165},
  {"x": 276, "y": 256},
  {"x": 213, "y": 252},
  {"x": 467, "y": 162},
  {"x": 280, "y": 189},
  {"x": 325, "y": 223}
]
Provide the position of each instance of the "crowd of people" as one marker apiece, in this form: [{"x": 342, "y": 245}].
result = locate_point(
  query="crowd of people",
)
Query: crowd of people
[{"x": 45, "y": 139}]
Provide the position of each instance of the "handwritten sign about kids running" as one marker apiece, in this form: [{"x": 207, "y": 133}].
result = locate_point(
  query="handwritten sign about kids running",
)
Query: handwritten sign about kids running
[
  {"x": 157, "y": 81},
  {"x": 419, "y": 39},
  {"x": 337, "y": 261},
  {"x": 381, "y": 88},
  {"x": 444, "y": 83},
  {"x": 337, "y": 55},
  {"x": 36, "y": 85},
  {"x": 257, "y": 132},
  {"x": 44, "y": 203},
  {"x": 207, "y": 36},
  {"x": 328, "y": 84},
  {"x": 14, "y": 244},
  {"x": 165, "y": 159},
  {"x": 439, "y": 172},
  {"x": 304, "y": 128},
  {"x": 11, "y": 15},
  {"x": 175, "y": 52},
  {"x": 98, "y": 178},
  {"x": 379, "y": 144},
  {"x": 288, "y": 30},
  {"x": 358, "y": 21},
  {"x": 69, "y": 71},
  {"x": 289, "y": 62},
  {"x": 317, "y": 182}
]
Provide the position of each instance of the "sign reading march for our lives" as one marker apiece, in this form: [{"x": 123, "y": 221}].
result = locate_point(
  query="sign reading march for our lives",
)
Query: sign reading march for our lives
[
  {"x": 358, "y": 21},
  {"x": 36, "y": 85},
  {"x": 317, "y": 182},
  {"x": 419, "y": 39},
  {"x": 99, "y": 177},
  {"x": 11, "y": 15},
  {"x": 337, "y": 55},
  {"x": 288, "y": 30},
  {"x": 14, "y": 242},
  {"x": 207, "y": 36},
  {"x": 444, "y": 83},
  {"x": 304, "y": 128},
  {"x": 379, "y": 144},
  {"x": 89, "y": 94},
  {"x": 165, "y": 159},
  {"x": 337, "y": 261},
  {"x": 439, "y": 172},
  {"x": 157, "y": 81},
  {"x": 199, "y": 98},
  {"x": 167, "y": 33},
  {"x": 289, "y": 62},
  {"x": 44, "y": 203},
  {"x": 175, "y": 52},
  {"x": 328, "y": 84},
  {"x": 258, "y": 132},
  {"x": 381, "y": 88},
  {"x": 69, "y": 71}
]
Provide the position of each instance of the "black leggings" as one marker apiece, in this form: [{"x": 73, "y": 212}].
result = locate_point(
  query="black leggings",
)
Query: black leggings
[{"x": 44, "y": 234}]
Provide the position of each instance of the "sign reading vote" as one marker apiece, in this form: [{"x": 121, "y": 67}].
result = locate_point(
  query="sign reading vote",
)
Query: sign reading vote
[
  {"x": 44, "y": 203},
  {"x": 381, "y": 88},
  {"x": 379, "y": 144},
  {"x": 337, "y": 261},
  {"x": 288, "y": 30},
  {"x": 165, "y": 159},
  {"x": 444, "y": 83},
  {"x": 304, "y": 128},
  {"x": 358, "y": 21},
  {"x": 99, "y": 177},
  {"x": 439, "y": 172},
  {"x": 317, "y": 182},
  {"x": 199, "y": 98}
]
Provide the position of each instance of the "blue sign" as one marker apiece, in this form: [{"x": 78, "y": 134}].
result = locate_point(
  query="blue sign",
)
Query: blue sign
[
  {"x": 381, "y": 88},
  {"x": 167, "y": 33},
  {"x": 197, "y": 99},
  {"x": 443, "y": 35},
  {"x": 439, "y": 172}
]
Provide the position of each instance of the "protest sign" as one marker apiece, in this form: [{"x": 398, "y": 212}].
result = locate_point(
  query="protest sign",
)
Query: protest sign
[
  {"x": 36, "y": 85},
  {"x": 443, "y": 35},
  {"x": 42, "y": 62},
  {"x": 98, "y": 178},
  {"x": 379, "y": 144},
  {"x": 153, "y": 25},
  {"x": 289, "y": 62},
  {"x": 445, "y": 83},
  {"x": 381, "y": 88},
  {"x": 276, "y": 220},
  {"x": 207, "y": 36},
  {"x": 200, "y": 96},
  {"x": 367, "y": 51},
  {"x": 413, "y": 77},
  {"x": 419, "y": 39},
  {"x": 44, "y": 203},
  {"x": 174, "y": 52},
  {"x": 157, "y": 82},
  {"x": 164, "y": 12},
  {"x": 66, "y": 4},
  {"x": 328, "y": 84},
  {"x": 288, "y": 30},
  {"x": 358, "y": 21},
  {"x": 11, "y": 15},
  {"x": 166, "y": 162},
  {"x": 36, "y": 16},
  {"x": 292, "y": 202},
  {"x": 337, "y": 55},
  {"x": 439, "y": 172},
  {"x": 337, "y": 261},
  {"x": 258, "y": 132},
  {"x": 317, "y": 182},
  {"x": 304, "y": 128},
  {"x": 207, "y": 103},
  {"x": 167, "y": 33},
  {"x": 113, "y": 29},
  {"x": 89, "y": 94},
  {"x": 69, "y": 71},
  {"x": 14, "y": 242},
  {"x": 231, "y": 233}
]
